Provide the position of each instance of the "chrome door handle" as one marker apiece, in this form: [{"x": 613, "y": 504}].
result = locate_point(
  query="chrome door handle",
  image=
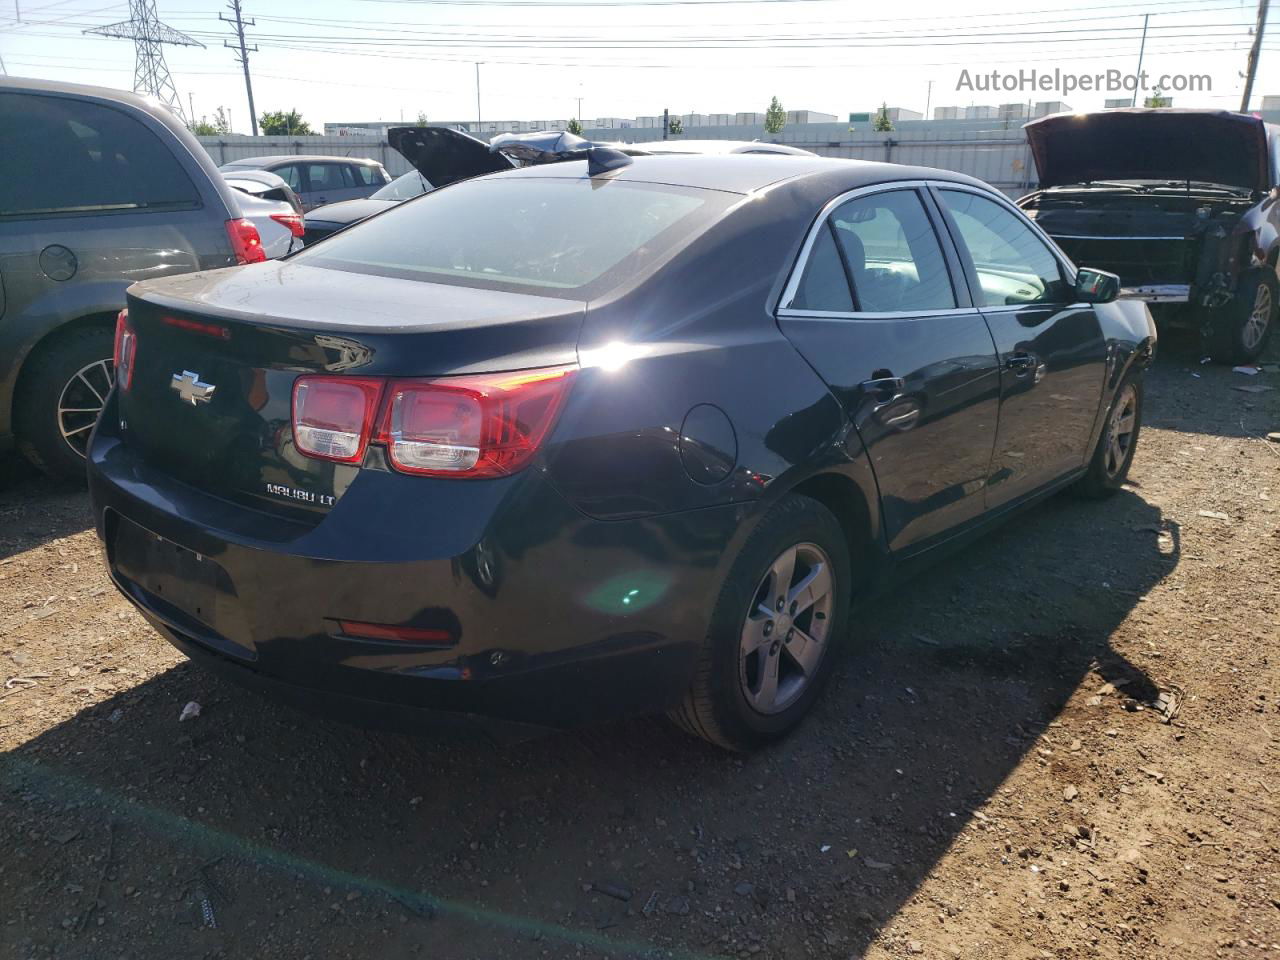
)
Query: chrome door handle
[{"x": 1021, "y": 363}]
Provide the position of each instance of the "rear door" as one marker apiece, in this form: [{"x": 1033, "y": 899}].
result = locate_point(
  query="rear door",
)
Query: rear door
[
  {"x": 879, "y": 308},
  {"x": 1051, "y": 350},
  {"x": 328, "y": 182}
]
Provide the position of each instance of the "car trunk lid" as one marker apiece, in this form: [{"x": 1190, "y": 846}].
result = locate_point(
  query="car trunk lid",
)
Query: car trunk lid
[
  {"x": 1209, "y": 146},
  {"x": 211, "y": 392}
]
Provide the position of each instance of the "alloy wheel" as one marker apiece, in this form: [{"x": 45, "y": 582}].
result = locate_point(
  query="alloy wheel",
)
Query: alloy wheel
[
  {"x": 785, "y": 634},
  {"x": 1255, "y": 328},
  {"x": 1120, "y": 427},
  {"x": 81, "y": 401}
]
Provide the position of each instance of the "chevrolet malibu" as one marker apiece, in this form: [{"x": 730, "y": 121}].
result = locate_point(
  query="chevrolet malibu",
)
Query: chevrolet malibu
[{"x": 601, "y": 438}]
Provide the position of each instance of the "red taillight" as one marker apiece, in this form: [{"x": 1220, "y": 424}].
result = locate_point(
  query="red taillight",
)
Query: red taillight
[
  {"x": 478, "y": 426},
  {"x": 291, "y": 220},
  {"x": 333, "y": 417},
  {"x": 246, "y": 244},
  {"x": 126, "y": 348},
  {"x": 484, "y": 426}
]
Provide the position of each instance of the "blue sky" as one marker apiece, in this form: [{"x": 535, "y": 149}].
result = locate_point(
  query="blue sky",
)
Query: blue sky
[{"x": 348, "y": 60}]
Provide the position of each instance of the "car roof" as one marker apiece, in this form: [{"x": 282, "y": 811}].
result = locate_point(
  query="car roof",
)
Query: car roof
[
  {"x": 14, "y": 84},
  {"x": 257, "y": 162},
  {"x": 718, "y": 146},
  {"x": 745, "y": 172}
]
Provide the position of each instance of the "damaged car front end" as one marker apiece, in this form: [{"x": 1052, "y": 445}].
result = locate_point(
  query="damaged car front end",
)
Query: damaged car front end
[{"x": 1181, "y": 204}]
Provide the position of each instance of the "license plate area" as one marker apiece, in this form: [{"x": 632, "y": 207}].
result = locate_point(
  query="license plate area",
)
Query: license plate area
[{"x": 189, "y": 591}]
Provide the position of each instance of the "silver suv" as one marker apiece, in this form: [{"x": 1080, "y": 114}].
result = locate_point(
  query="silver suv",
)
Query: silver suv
[{"x": 98, "y": 189}]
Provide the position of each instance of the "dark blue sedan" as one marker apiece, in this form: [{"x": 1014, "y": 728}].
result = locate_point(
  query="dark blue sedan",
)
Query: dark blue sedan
[{"x": 603, "y": 437}]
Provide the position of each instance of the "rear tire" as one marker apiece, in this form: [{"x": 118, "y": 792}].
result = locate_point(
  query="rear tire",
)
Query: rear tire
[
  {"x": 1113, "y": 455},
  {"x": 741, "y": 700},
  {"x": 1238, "y": 332},
  {"x": 62, "y": 389}
]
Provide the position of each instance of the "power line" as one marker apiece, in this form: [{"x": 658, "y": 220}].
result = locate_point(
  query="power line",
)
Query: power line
[{"x": 150, "y": 72}]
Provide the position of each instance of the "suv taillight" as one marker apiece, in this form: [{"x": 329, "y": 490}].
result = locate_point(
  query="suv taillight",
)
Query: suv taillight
[
  {"x": 126, "y": 348},
  {"x": 246, "y": 243},
  {"x": 479, "y": 426}
]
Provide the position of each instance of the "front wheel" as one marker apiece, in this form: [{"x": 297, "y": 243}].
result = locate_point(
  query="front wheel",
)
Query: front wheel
[
  {"x": 1113, "y": 455},
  {"x": 1239, "y": 331},
  {"x": 780, "y": 616}
]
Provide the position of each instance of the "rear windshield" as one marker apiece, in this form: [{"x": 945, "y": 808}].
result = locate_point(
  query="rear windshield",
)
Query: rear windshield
[{"x": 541, "y": 236}]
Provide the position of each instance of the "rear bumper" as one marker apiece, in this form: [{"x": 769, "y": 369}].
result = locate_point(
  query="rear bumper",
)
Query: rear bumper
[{"x": 559, "y": 620}]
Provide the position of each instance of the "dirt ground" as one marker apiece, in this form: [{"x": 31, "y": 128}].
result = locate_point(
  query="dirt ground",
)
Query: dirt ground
[{"x": 1063, "y": 742}]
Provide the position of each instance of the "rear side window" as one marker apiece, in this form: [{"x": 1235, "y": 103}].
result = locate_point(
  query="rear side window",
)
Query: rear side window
[
  {"x": 1013, "y": 265},
  {"x": 326, "y": 176},
  {"x": 66, "y": 156},
  {"x": 824, "y": 285},
  {"x": 535, "y": 235},
  {"x": 892, "y": 254},
  {"x": 290, "y": 174},
  {"x": 365, "y": 176}
]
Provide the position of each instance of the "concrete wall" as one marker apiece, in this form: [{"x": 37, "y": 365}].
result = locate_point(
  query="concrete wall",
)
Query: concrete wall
[{"x": 992, "y": 150}]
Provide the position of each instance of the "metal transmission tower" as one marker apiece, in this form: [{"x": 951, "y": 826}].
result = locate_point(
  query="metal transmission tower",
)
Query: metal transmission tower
[
  {"x": 150, "y": 72},
  {"x": 238, "y": 23}
]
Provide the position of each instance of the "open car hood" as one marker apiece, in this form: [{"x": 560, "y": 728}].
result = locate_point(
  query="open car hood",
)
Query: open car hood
[
  {"x": 445, "y": 156},
  {"x": 1213, "y": 146}
]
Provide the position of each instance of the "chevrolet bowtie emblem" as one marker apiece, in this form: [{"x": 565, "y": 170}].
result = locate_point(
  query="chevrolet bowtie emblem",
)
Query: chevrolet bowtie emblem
[{"x": 191, "y": 389}]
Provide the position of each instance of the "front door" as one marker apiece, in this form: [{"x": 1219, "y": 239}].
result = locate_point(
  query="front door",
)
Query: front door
[
  {"x": 882, "y": 313},
  {"x": 1051, "y": 349}
]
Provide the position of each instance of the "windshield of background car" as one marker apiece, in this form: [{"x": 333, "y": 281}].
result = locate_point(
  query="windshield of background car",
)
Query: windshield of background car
[
  {"x": 404, "y": 187},
  {"x": 527, "y": 235}
]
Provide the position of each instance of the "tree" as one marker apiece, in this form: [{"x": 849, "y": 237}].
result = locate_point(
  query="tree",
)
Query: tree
[
  {"x": 575, "y": 127},
  {"x": 281, "y": 124},
  {"x": 422, "y": 119},
  {"x": 675, "y": 127},
  {"x": 882, "y": 122},
  {"x": 775, "y": 118},
  {"x": 218, "y": 127},
  {"x": 1158, "y": 99}
]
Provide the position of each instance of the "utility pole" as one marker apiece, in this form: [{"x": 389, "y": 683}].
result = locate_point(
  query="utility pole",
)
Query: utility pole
[
  {"x": 477, "y": 97},
  {"x": 238, "y": 23},
  {"x": 1253, "y": 55},
  {"x": 579, "y": 99},
  {"x": 928, "y": 99},
  {"x": 666, "y": 122},
  {"x": 1141, "y": 49},
  {"x": 191, "y": 102}
]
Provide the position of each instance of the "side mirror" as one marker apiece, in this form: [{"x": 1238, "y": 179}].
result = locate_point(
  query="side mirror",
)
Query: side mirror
[{"x": 1096, "y": 286}]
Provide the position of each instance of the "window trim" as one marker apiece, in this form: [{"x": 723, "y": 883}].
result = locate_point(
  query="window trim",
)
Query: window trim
[
  {"x": 1065, "y": 265},
  {"x": 945, "y": 246}
]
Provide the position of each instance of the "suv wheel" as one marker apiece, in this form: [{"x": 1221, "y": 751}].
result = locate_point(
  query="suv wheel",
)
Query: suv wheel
[
  {"x": 1239, "y": 332},
  {"x": 63, "y": 391},
  {"x": 780, "y": 616}
]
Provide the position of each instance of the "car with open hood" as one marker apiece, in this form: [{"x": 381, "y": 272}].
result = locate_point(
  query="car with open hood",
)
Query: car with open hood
[
  {"x": 442, "y": 155},
  {"x": 602, "y": 437},
  {"x": 1181, "y": 204}
]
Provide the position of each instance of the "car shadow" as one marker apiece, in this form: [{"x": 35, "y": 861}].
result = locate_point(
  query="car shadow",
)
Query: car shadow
[
  {"x": 633, "y": 840},
  {"x": 34, "y": 509}
]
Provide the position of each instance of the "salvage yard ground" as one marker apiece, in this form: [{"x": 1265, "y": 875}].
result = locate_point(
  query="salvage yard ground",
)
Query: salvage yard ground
[{"x": 1064, "y": 742}]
